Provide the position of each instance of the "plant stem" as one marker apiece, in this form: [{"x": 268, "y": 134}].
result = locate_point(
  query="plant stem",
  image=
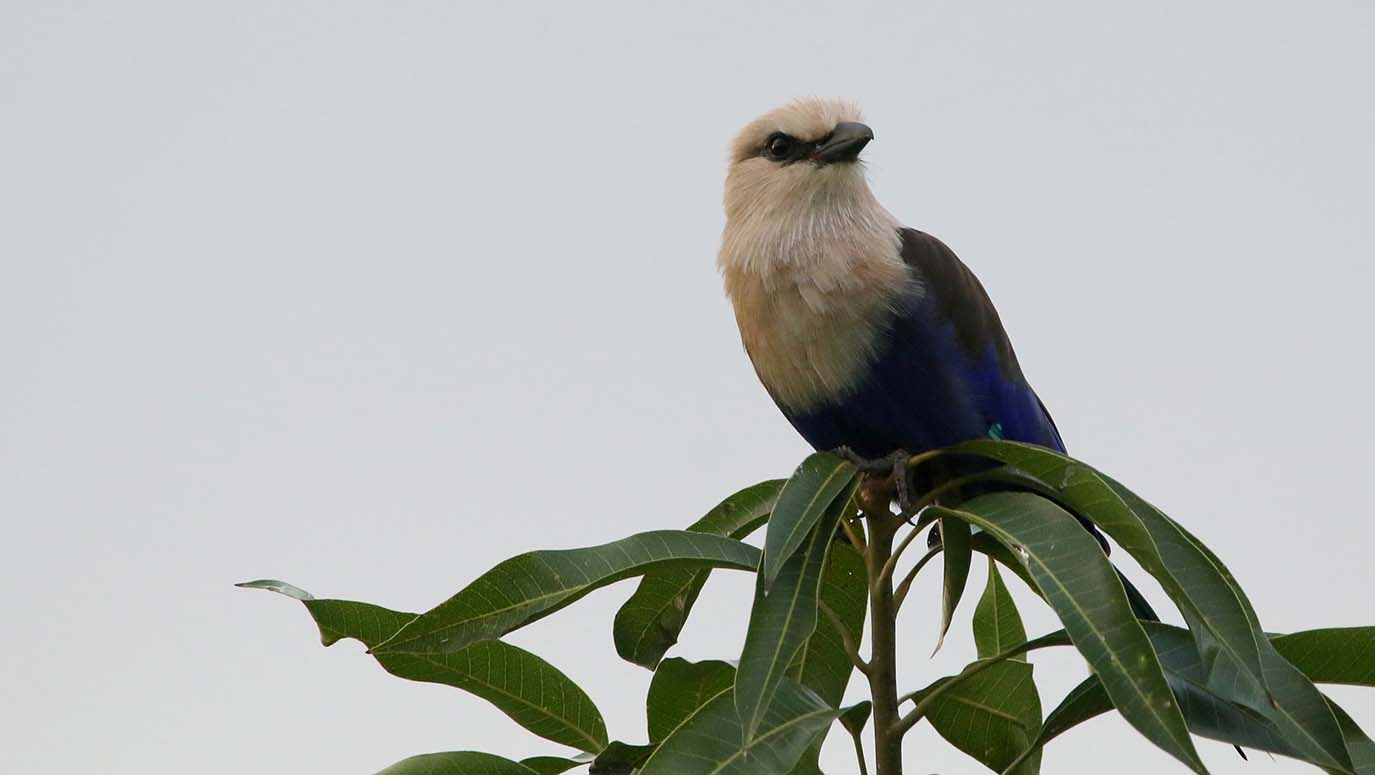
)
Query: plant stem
[{"x": 883, "y": 679}]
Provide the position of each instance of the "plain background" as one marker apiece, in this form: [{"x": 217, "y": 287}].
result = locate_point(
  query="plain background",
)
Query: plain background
[{"x": 369, "y": 296}]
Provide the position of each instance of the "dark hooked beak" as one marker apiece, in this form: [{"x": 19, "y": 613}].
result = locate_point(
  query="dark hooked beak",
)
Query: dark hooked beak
[{"x": 843, "y": 144}]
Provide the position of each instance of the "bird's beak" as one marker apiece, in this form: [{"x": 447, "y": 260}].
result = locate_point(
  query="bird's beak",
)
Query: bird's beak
[{"x": 843, "y": 144}]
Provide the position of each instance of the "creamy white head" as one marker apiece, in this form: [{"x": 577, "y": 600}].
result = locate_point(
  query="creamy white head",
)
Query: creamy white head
[{"x": 810, "y": 258}]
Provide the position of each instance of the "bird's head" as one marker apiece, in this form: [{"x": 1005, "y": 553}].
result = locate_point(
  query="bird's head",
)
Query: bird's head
[{"x": 798, "y": 156}]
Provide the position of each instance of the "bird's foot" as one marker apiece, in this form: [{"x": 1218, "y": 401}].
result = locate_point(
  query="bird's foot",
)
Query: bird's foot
[{"x": 894, "y": 485}]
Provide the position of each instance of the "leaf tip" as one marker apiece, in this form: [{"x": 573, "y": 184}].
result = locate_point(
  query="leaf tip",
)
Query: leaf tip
[{"x": 280, "y": 587}]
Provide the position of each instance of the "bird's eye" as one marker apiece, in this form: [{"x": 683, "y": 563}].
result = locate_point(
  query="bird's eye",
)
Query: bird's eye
[{"x": 779, "y": 146}]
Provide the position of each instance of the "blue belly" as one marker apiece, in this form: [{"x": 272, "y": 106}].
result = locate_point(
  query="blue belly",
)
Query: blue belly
[{"x": 923, "y": 392}]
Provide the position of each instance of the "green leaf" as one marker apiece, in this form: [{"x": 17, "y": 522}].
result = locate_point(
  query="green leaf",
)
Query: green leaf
[
  {"x": 992, "y": 715},
  {"x": 1292, "y": 702},
  {"x": 997, "y": 625},
  {"x": 856, "y": 716},
  {"x": 280, "y": 587},
  {"x": 649, "y": 623},
  {"x": 534, "y": 693},
  {"x": 531, "y": 586},
  {"x": 1336, "y": 655},
  {"x": 1240, "y": 662},
  {"x": 679, "y": 688},
  {"x": 1208, "y": 714},
  {"x": 1085, "y": 701},
  {"x": 711, "y": 742},
  {"x": 816, "y": 483},
  {"x": 457, "y": 763},
  {"x": 1360, "y": 746},
  {"x": 822, "y": 664},
  {"x": 550, "y": 765},
  {"x": 1200, "y": 589},
  {"x": 620, "y": 759},
  {"x": 955, "y": 551},
  {"x": 1083, "y": 589},
  {"x": 782, "y": 619}
]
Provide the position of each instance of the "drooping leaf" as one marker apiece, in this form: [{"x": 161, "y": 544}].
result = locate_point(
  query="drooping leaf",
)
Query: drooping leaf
[
  {"x": 782, "y": 619},
  {"x": 1303, "y": 715},
  {"x": 1240, "y": 662},
  {"x": 648, "y": 624},
  {"x": 955, "y": 551},
  {"x": 1208, "y": 714},
  {"x": 1335, "y": 655},
  {"x": 531, "y": 586},
  {"x": 457, "y": 763},
  {"x": 1192, "y": 582},
  {"x": 679, "y": 688},
  {"x": 620, "y": 759},
  {"x": 711, "y": 742},
  {"x": 1358, "y": 744},
  {"x": 822, "y": 664},
  {"x": 809, "y": 492},
  {"x": 534, "y": 693},
  {"x": 997, "y": 625},
  {"x": 1082, "y": 587},
  {"x": 550, "y": 765},
  {"x": 992, "y": 715}
]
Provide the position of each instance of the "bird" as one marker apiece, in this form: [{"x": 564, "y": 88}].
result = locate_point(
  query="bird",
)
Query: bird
[{"x": 873, "y": 338}]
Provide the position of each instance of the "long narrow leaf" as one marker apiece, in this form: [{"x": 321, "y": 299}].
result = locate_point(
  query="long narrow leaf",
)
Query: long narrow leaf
[
  {"x": 782, "y": 620},
  {"x": 1336, "y": 655},
  {"x": 955, "y": 552},
  {"x": 531, "y": 586},
  {"x": 1239, "y": 661},
  {"x": 822, "y": 664},
  {"x": 1082, "y": 587},
  {"x": 810, "y": 491},
  {"x": 1300, "y": 712},
  {"x": 1360, "y": 746},
  {"x": 1208, "y": 714},
  {"x": 534, "y": 693},
  {"x": 648, "y": 624},
  {"x": 1191, "y": 581}
]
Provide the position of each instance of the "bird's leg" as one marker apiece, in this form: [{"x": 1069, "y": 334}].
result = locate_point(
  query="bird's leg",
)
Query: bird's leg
[
  {"x": 894, "y": 483},
  {"x": 898, "y": 461}
]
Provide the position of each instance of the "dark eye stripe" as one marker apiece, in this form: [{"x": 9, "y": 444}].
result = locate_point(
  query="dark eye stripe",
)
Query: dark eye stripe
[{"x": 795, "y": 149}]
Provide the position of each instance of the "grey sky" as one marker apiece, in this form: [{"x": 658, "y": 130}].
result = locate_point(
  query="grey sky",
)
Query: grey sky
[{"x": 369, "y": 296}]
